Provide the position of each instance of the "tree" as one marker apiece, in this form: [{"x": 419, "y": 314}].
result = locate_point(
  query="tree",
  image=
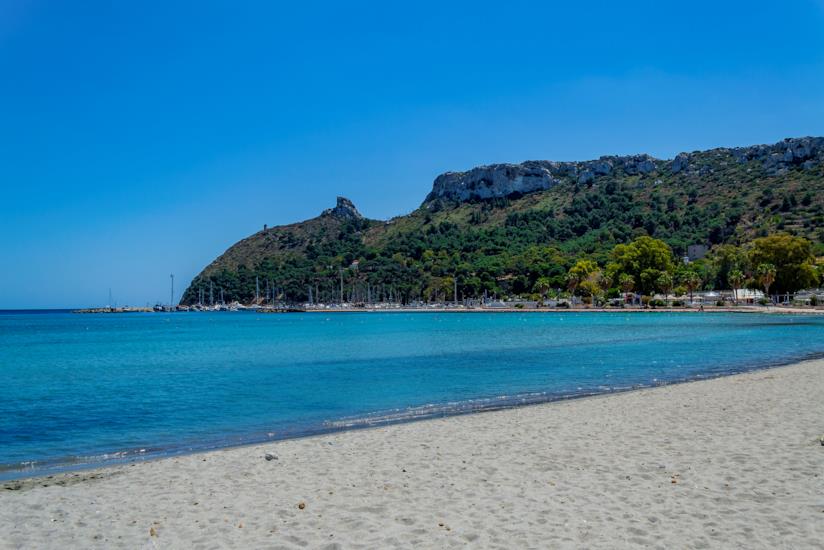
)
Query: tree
[
  {"x": 792, "y": 259},
  {"x": 448, "y": 289},
  {"x": 572, "y": 281},
  {"x": 725, "y": 259},
  {"x": 735, "y": 277},
  {"x": 627, "y": 283},
  {"x": 644, "y": 259},
  {"x": 649, "y": 280},
  {"x": 594, "y": 285},
  {"x": 604, "y": 283},
  {"x": 664, "y": 283},
  {"x": 766, "y": 276},
  {"x": 691, "y": 280},
  {"x": 542, "y": 286},
  {"x": 583, "y": 276}
]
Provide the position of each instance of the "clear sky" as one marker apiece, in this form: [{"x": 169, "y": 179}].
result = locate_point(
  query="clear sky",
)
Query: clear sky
[{"x": 139, "y": 139}]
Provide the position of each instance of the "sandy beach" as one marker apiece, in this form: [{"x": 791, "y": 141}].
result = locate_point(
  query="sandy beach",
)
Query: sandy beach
[{"x": 733, "y": 462}]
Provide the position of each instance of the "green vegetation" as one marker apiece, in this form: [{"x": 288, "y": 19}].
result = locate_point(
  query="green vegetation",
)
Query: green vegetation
[
  {"x": 646, "y": 260},
  {"x": 765, "y": 276},
  {"x": 619, "y": 233},
  {"x": 736, "y": 279},
  {"x": 788, "y": 259}
]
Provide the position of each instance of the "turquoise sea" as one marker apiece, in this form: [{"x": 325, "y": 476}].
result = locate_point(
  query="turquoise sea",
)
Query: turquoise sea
[{"x": 89, "y": 389}]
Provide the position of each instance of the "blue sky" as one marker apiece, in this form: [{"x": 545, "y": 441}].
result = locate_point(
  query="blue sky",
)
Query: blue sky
[{"x": 141, "y": 139}]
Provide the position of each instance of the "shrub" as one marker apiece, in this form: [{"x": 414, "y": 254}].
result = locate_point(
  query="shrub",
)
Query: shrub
[{"x": 719, "y": 303}]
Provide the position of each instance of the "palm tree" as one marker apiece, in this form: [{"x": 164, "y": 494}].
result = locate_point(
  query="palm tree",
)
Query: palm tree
[
  {"x": 766, "y": 275},
  {"x": 691, "y": 280},
  {"x": 736, "y": 277},
  {"x": 572, "y": 281},
  {"x": 627, "y": 283},
  {"x": 664, "y": 283},
  {"x": 542, "y": 286},
  {"x": 596, "y": 284},
  {"x": 604, "y": 281},
  {"x": 583, "y": 276}
]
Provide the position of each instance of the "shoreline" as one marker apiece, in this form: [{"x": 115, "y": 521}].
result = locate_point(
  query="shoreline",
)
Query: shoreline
[
  {"x": 368, "y": 421},
  {"x": 735, "y": 459},
  {"x": 709, "y": 309},
  {"x": 772, "y": 310},
  {"x": 818, "y": 310}
]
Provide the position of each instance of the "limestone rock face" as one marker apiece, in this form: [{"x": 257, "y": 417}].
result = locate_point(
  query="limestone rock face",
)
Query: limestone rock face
[
  {"x": 602, "y": 167},
  {"x": 344, "y": 210},
  {"x": 680, "y": 163},
  {"x": 776, "y": 159},
  {"x": 504, "y": 180},
  {"x": 637, "y": 164},
  {"x": 497, "y": 180},
  {"x": 586, "y": 177}
]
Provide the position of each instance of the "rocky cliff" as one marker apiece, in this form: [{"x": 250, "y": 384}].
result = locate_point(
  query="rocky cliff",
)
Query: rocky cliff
[
  {"x": 344, "y": 210},
  {"x": 506, "y": 180}
]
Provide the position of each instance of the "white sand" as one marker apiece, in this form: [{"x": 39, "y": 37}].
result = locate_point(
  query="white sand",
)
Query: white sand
[{"x": 726, "y": 463}]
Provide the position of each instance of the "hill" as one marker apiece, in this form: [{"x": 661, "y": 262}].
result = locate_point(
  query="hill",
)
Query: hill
[{"x": 498, "y": 229}]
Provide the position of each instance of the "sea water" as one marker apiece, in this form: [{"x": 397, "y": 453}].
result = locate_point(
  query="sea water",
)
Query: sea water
[{"x": 94, "y": 388}]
